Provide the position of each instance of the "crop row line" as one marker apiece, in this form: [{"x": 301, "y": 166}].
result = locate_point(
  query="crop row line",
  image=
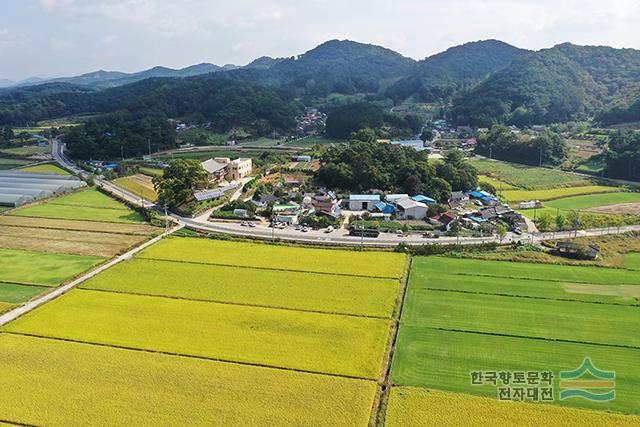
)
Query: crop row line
[
  {"x": 112, "y": 233},
  {"x": 3, "y": 282},
  {"x": 545, "y": 280},
  {"x": 497, "y": 334},
  {"x": 241, "y": 304},
  {"x": 530, "y": 297},
  {"x": 15, "y": 423},
  {"x": 78, "y": 205},
  {"x": 268, "y": 268},
  {"x": 83, "y": 220},
  {"x": 189, "y": 356}
]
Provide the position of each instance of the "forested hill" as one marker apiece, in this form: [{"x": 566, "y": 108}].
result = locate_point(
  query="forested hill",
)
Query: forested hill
[
  {"x": 442, "y": 75},
  {"x": 553, "y": 85},
  {"x": 225, "y": 102},
  {"x": 340, "y": 66}
]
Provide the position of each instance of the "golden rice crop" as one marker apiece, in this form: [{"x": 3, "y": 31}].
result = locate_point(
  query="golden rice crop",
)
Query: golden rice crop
[
  {"x": 420, "y": 407},
  {"x": 286, "y": 289},
  {"x": 50, "y": 382},
  {"x": 369, "y": 264},
  {"x": 325, "y": 343},
  {"x": 65, "y": 224}
]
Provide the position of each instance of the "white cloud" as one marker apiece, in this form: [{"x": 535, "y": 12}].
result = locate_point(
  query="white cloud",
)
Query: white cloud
[{"x": 134, "y": 34}]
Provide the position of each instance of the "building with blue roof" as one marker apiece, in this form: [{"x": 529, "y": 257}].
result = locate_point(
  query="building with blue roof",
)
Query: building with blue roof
[
  {"x": 385, "y": 208},
  {"x": 424, "y": 199}
]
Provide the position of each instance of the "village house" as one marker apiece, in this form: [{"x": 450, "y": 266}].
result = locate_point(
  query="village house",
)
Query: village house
[
  {"x": 221, "y": 168},
  {"x": 445, "y": 220},
  {"x": 410, "y": 209}
]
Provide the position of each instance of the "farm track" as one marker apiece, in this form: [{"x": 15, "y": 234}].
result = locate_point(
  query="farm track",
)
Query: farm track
[
  {"x": 212, "y": 301},
  {"x": 379, "y": 410},
  {"x": 268, "y": 269}
]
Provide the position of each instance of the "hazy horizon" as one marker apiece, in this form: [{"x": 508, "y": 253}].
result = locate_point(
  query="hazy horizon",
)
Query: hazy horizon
[{"x": 54, "y": 38}]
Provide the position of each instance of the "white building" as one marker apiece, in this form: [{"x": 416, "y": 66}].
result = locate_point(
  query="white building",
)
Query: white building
[
  {"x": 363, "y": 202},
  {"x": 410, "y": 209}
]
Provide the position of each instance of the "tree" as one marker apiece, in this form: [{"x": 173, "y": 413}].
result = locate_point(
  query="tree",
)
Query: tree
[
  {"x": 501, "y": 231},
  {"x": 544, "y": 221},
  {"x": 573, "y": 217},
  {"x": 427, "y": 135},
  {"x": 343, "y": 121},
  {"x": 561, "y": 222},
  {"x": 178, "y": 182}
]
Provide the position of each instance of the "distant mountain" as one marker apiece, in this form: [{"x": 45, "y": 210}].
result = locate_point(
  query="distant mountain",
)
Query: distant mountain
[
  {"x": 552, "y": 85},
  {"x": 104, "y": 79},
  {"x": 444, "y": 74},
  {"x": 340, "y": 66},
  {"x": 6, "y": 83}
]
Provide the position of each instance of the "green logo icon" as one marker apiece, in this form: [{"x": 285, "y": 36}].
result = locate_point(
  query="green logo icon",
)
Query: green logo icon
[{"x": 588, "y": 382}]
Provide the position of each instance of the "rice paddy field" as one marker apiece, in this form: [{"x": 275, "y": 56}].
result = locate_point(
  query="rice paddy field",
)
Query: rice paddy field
[
  {"x": 632, "y": 261},
  {"x": 529, "y": 177},
  {"x": 409, "y": 406},
  {"x": 48, "y": 168},
  {"x": 140, "y": 185},
  {"x": 353, "y": 295},
  {"x": 463, "y": 315},
  {"x": 256, "y": 255},
  {"x": 206, "y": 337},
  {"x": 592, "y": 192},
  {"x": 42, "y": 268},
  {"x": 37, "y": 254},
  {"x": 88, "y": 205},
  {"x": 81, "y": 384}
]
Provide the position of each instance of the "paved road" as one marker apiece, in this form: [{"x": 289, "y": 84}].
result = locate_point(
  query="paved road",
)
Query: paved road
[
  {"x": 33, "y": 304},
  {"x": 338, "y": 237}
]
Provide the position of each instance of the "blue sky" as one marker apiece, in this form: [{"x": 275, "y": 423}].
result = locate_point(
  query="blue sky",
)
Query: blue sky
[{"x": 69, "y": 37}]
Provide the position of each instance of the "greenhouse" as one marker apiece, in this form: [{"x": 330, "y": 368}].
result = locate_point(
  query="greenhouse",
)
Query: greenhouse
[{"x": 18, "y": 188}]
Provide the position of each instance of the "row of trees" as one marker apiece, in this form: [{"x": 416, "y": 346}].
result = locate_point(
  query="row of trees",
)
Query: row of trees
[
  {"x": 6, "y": 135},
  {"x": 501, "y": 143},
  {"x": 363, "y": 165}
]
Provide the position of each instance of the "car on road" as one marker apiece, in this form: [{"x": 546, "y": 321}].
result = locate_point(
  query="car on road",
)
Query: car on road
[{"x": 329, "y": 229}]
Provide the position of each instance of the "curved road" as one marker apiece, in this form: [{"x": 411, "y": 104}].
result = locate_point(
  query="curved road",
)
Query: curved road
[{"x": 338, "y": 237}]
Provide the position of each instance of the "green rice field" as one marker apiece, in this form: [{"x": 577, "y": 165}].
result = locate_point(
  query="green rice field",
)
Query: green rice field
[
  {"x": 593, "y": 201},
  {"x": 443, "y": 360},
  {"x": 521, "y": 270},
  {"x": 15, "y": 294},
  {"x": 302, "y": 291},
  {"x": 80, "y": 384},
  {"x": 91, "y": 198},
  {"x": 595, "y": 193},
  {"x": 632, "y": 261},
  {"x": 42, "y": 268},
  {"x": 529, "y": 177},
  {"x": 464, "y": 315},
  {"x": 342, "y": 345},
  {"x": 366, "y": 264}
]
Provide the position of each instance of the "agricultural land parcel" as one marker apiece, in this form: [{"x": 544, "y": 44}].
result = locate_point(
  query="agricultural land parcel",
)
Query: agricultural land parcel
[
  {"x": 266, "y": 350},
  {"x": 40, "y": 253},
  {"x": 140, "y": 185},
  {"x": 528, "y": 177},
  {"x": 409, "y": 406},
  {"x": 47, "y": 168},
  {"x": 89, "y": 205},
  {"x": 443, "y": 332}
]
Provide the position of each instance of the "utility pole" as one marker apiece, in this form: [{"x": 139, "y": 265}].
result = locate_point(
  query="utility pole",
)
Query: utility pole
[
  {"x": 273, "y": 228},
  {"x": 149, "y": 143},
  {"x": 122, "y": 152},
  {"x": 540, "y": 155},
  {"x": 362, "y": 232}
]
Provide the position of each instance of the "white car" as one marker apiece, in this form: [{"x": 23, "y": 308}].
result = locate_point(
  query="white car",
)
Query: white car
[
  {"x": 244, "y": 223},
  {"x": 329, "y": 229},
  {"x": 252, "y": 224}
]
